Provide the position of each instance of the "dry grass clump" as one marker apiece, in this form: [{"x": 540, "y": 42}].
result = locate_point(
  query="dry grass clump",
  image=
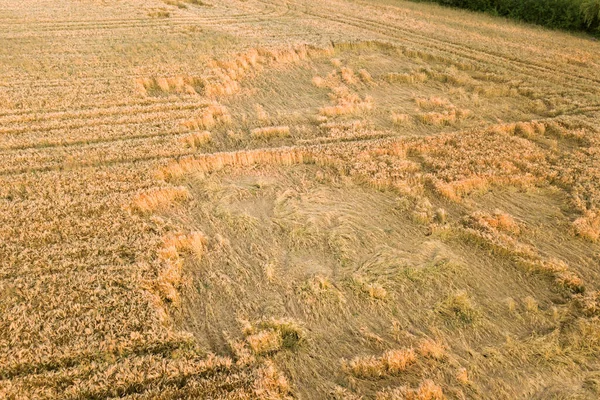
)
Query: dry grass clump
[
  {"x": 347, "y": 107},
  {"x": 428, "y": 390},
  {"x": 160, "y": 198},
  {"x": 577, "y": 134},
  {"x": 474, "y": 161},
  {"x": 261, "y": 114},
  {"x": 438, "y": 119},
  {"x": 400, "y": 119},
  {"x": 432, "y": 103},
  {"x": 222, "y": 84},
  {"x": 291, "y": 332},
  {"x": 198, "y": 139},
  {"x": 525, "y": 256},
  {"x": 265, "y": 342},
  {"x": 353, "y": 129},
  {"x": 270, "y": 272},
  {"x": 583, "y": 336},
  {"x": 209, "y": 163},
  {"x": 459, "y": 306},
  {"x": 366, "y": 367},
  {"x": 376, "y": 291},
  {"x": 457, "y": 189},
  {"x": 423, "y": 211},
  {"x": 511, "y": 304},
  {"x": 292, "y": 54},
  {"x": 344, "y": 75},
  {"x": 159, "y": 13},
  {"x": 559, "y": 270},
  {"x": 319, "y": 82},
  {"x": 213, "y": 115},
  {"x": 173, "y": 84},
  {"x": 340, "y": 393},
  {"x": 456, "y": 77},
  {"x": 531, "y": 304},
  {"x": 463, "y": 113},
  {"x": 493, "y": 90},
  {"x": 498, "y": 220},
  {"x": 348, "y": 76},
  {"x": 224, "y": 76},
  {"x": 396, "y": 361},
  {"x": 170, "y": 275},
  {"x": 392, "y": 362},
  {"x": 380, "y": 164},
  {"x": 194, "y": 242},
  {"x": 588, "y": 226},
  {"x": 529, "y": 130},
  {"x": 588, "y": 303},
  {"x": 347, "y": 103},
  {"x": 449, "y": 116},
  {"x": 440, "y": 216},
  {"x": 271, "y": 335},
  {"x": 365, "y": 76},
  {"x": 270, "y": 132},
  {"x": 432, "y": 349},
  {"x": 416, "y": 77},
  {"x": 570, "y": 281},
  {"x": 463, "y": 376},
  {"x": 271, "y": 384},
  {"x": 320, "y": 289},
  {"x": 319, "y": 284},
  {"x": 491, "y": 231}
]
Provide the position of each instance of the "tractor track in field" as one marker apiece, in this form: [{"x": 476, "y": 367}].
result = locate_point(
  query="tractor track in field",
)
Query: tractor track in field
[{"x": 484, "y": 59}]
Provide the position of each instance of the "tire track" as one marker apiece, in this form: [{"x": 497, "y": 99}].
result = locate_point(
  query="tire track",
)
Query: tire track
[
  {"x": 126, "y": 108},
  {"x": 83, "y": 122},
  {"x": 187, "y": 17},
  {"x": 483, "y": 58}
]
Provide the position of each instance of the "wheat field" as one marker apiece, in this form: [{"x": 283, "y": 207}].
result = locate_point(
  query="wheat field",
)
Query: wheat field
[{"x": 343, "y": 199}]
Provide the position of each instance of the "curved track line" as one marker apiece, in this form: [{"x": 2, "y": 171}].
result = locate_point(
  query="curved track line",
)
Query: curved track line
[{"x": 468, "y": 53}]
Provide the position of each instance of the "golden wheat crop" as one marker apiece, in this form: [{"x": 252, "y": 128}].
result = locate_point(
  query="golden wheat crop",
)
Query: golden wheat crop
[{"x": 278, "y": 200}]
